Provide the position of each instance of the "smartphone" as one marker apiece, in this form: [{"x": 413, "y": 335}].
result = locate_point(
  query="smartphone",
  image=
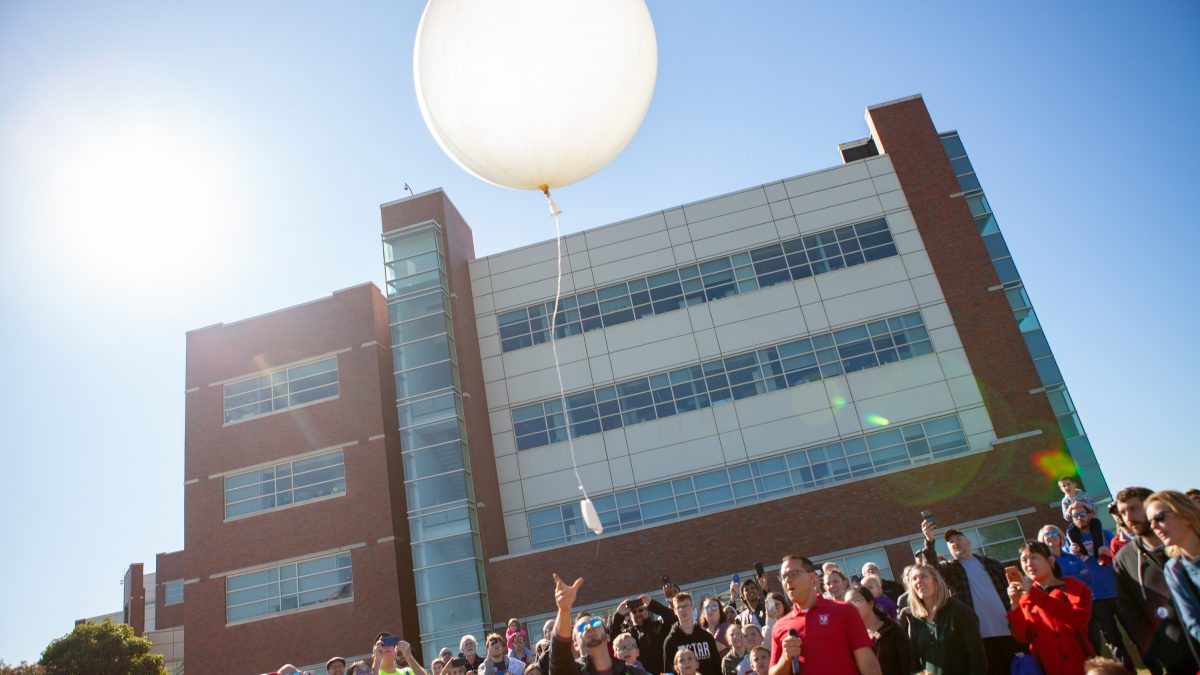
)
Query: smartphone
[
  {"x": 758, "y": 569},
  {"x": 389, "y": 640},
  {"x": 666, "y": 580},
  {"x": 737, "y": 579},
  {"x": 927, "y": 516},
  {"x": 1013, "y": 574},
  {"x": 633, "y": 604}
]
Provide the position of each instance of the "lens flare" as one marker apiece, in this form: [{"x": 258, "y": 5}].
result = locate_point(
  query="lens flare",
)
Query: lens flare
[
  {"x": 877, "y": 420},
  {"x": 1053, "y": 462},
  {"x": 838, "y": 401}
]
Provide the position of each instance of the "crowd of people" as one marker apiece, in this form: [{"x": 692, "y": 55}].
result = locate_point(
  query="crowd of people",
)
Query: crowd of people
[{"x": 1053, "y": 613}]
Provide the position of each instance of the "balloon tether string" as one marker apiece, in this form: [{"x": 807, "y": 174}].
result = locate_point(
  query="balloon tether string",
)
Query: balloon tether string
[{"x": 562, "y": 392}]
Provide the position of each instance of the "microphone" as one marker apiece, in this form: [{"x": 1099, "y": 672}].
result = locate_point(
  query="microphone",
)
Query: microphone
[{"x": 795, "y": 659}]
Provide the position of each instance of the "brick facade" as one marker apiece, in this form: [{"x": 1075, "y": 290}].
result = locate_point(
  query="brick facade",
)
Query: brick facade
[{"x": 368, "y": 518}]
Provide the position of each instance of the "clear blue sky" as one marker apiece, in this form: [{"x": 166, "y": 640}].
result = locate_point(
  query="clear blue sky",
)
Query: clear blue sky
[{"x": 166, "y": 166}]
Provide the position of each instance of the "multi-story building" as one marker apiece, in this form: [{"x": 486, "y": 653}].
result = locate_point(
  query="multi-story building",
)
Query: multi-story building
[
  {"x": 804, "y": 365},
  {"x": 142, "y": 598}
]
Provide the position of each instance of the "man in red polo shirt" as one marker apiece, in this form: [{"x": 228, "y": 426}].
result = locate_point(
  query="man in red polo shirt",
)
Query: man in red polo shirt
[{"x": 830, "y": 637}]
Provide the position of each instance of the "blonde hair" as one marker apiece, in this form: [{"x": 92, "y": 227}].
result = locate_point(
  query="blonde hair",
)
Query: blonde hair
[
  {"x": 1051, "y": 528},
  {"x": 681, "y": 652},
  {"x": 1179, "y": 504},
  {"x": 941, "y": 593}
]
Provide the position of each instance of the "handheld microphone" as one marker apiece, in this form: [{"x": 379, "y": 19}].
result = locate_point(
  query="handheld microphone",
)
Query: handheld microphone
[{"x": 795, "y": 659}]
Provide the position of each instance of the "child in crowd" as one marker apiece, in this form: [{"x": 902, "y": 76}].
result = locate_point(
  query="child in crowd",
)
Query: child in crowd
[
  {"x": 1073, "y": 495},
  {"x": 626, "y": 648},
  {"x": 760, "y": 660},
  {"x": 521, "y": 650}
]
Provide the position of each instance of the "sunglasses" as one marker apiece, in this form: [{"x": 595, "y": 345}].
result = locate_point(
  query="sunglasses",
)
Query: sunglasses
[
  {"x": 1159, "y": 517},
  {"x": 595, "y": 622},
  {"x": 1077, "y": 516},
  {"x": 711, "y": 608}
]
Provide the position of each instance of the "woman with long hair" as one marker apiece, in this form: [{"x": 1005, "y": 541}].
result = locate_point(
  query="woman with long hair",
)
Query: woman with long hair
[
  {"x": 887, "y": 639},
  {"x": 1049, "y": 613},
  {"x": 1176, "y": 520},
  {"x": 943, "y": 632},
  {"x": 712, "y": 619}
]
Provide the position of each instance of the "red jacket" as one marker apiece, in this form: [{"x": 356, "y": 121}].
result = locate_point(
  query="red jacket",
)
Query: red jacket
[{"x": 1054, "y": 623}]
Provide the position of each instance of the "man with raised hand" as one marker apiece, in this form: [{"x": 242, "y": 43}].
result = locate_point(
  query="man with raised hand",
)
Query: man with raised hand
[
  {"x": 819, "y": 635},
  {"x": 593, "y": 639},
  {"x": 648, "y": 624},
  {"x": 978, "y": 581}
]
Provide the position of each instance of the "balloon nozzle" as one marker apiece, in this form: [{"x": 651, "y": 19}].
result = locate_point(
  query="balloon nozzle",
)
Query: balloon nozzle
[{"x": 549, "y": 200}]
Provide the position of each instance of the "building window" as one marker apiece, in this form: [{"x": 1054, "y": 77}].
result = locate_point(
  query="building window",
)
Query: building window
[
  {"x": 285, "y": 484},
  {"x": 282, "y": 389},
  {"x": 721, "y": 380},
  {"x": 706, "y": 281},
  {"x": 851, "y": 565},
  {"x": 173, "y": 592},
  {"x": 795, "y": 471},
  {"x": 288, "y": 587},
  {"x": 1001, "y": 540}
]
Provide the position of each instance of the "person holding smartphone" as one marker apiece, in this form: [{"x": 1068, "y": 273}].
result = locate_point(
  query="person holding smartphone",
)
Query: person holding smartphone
[
  {"x": 648, "y": 621},
  {"x": 1049, "y": 613},
  {"x": 393, "y": 656}
]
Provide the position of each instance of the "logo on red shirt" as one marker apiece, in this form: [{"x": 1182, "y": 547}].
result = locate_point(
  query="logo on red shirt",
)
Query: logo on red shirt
[{"x": 823, "y": 619}]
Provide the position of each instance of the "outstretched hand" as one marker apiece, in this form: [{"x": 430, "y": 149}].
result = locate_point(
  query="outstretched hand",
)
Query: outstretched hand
[{"x": 564, "y": 594}]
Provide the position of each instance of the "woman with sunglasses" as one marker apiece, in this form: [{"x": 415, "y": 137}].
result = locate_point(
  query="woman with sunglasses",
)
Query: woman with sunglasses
[
  {"x": 712, "y": 619},
  {"x": 1176, "y": 520},
  {"x": 1049, "y": 613}
]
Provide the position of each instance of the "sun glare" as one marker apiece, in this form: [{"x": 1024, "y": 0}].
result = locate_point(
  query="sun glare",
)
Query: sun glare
[{"x": 140, "y": 206}]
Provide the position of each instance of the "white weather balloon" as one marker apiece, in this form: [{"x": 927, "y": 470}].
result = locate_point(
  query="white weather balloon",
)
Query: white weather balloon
[{"x": 529, "y": 94}]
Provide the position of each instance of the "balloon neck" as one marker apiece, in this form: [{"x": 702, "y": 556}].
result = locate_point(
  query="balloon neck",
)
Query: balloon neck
[{"x": 549, "y": 200}]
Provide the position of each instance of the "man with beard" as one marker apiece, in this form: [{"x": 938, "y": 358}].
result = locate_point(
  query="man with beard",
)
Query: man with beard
[
  {"x": 687, "y": 634},
  {"x": 592, "y": 638},
  {"x": 648, "y": 623},
  {"x": 1142, "y": 594}
]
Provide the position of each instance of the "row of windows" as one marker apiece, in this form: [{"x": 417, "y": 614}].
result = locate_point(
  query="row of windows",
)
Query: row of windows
[
  {"x": 445, "y": 543},
  {"x": 284, "y": 484},
  {"x": 1027, "y": 320},
  {"x": 282, "y": 389},
  {"x": 795, "y": 471},
  {"x": 742, "y": 272},
  {"x": 720, "y": 380},
  {"x": 288, "y": 587}
]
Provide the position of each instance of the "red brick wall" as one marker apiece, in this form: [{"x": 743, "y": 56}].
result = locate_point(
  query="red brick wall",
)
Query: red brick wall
[
  {"x": 365, "y": 514},
  {"x": 135, "y": 599},
  {"x": 167, "y": 567},
  {"x": 993, "y": 344}
]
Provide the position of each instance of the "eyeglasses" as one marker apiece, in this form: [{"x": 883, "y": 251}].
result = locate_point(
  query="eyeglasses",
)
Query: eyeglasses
[
  {"x": 791, "y": 574},
  {"x": 1159, "y": 517},
  {"x": 594, "y": 622},
  {"x": 1081, "y": 514}
]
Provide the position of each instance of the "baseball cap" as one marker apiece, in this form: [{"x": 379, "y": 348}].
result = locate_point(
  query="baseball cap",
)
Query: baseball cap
[
  {"x": 336, "y": 658},
  {"x": 952, "y": 533}
]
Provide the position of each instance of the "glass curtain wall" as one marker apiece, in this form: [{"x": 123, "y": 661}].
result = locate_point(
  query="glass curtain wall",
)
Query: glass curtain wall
[
  {"x": 1078, "y": 445},
  {"x": 444, "y": 529}
]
